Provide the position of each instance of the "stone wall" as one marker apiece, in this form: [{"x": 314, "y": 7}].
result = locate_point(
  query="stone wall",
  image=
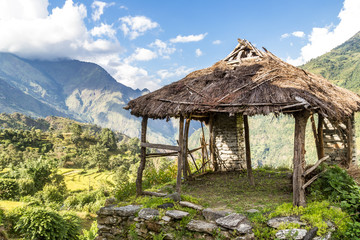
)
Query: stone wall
[
  {"x": 229, "y": 141},
  {"x": 135, "y": 222}
]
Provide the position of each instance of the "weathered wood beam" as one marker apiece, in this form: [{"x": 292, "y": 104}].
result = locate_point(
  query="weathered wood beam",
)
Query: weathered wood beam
[
  {"x": 212, "y": 143},
  {"x": 248, "y": 151},
  {"x": 160, "y": 146},
  {"x": 349, "y": 142},
  {"x": 180, "y": 155},
  {"x": 307, "y": 172},
  {"x": 186, "y": 166},
  {"x": 311, "y": 181},
  {"x": 320, "y": 132},
  {"x": 299, "y": 158},
  {"x": 142, "y": 157},
  {"x": 316, "y": 137}
]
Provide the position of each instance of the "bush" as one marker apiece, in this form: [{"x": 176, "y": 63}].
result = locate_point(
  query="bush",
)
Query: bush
[
  {"x": 26, "y": 187},
  {"x": 90, "y": 234},
  {"x": 85, "y": 201},
  {"x": 50, "y": 193},
  {"x": 40, "y": 223},
  {"x": 9, "y": 188},
  {"x": 72, "y": 224}
]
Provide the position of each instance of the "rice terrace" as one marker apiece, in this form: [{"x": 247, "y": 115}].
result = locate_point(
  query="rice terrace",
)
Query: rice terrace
[{"x": 179, "y": 120}]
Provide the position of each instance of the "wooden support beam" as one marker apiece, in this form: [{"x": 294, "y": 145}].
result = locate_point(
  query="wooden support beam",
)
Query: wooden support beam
[
  {"x": 160, "y": 146},
  {"x": 307, "y": 172},
  {"x": 213, "y": 159},
  {"x": 142, "y": 157},
  {"x": 349, "y": 133},
  {"x": 320, "y": 132},
  {"x": 299, "y": 158},
  {"x": 316, "y": 137},
  {"x": 311, "y": 181},
  {"x": 180, "y": 155},
  {"x": 248, "y": 151},
  {"x": 186, "y": 166}
]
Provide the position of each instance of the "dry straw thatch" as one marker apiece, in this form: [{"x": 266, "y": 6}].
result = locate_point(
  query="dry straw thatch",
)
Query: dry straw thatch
[{"x": 251, "y": 82}]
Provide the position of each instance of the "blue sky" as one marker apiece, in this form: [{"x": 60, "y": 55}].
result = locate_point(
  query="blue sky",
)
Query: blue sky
[{"x": 152, "y": 43}]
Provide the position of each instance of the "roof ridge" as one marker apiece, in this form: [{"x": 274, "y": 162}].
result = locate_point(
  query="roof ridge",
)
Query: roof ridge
[{"x": 244, "y": 50}]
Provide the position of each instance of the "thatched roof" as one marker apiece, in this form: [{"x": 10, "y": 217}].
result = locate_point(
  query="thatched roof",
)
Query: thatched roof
[{"x": 251, "y": 82}]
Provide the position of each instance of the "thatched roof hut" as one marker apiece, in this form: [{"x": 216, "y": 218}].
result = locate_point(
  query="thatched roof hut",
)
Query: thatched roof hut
[{"x": 249, "y": 82}]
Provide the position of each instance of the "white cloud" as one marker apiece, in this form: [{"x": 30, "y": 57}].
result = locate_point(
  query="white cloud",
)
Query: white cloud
[
  {"x": 189, "y": 38},
  {"x": 142, "y": 54},
  {"x": 322, "y": 40},
  {"x": 198, "y": 52},
  {"x": 98, "y": 9},
  {"x": 123, "y": 7},
  {"x": 216, "y": 42},
  {"x": 136, "y": 26},
  {"x": 38, "y": 33},
  {"x": 285, "y": 35},
  {"x": 103, "y": 30},
  {"x": 162, "y": 48},
  {"x": 298, "y": 34},
  {"x": 178, "y": 72}
]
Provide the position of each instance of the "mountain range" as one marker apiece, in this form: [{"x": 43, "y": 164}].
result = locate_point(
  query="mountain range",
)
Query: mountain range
[{"x": 70, "y": 88}]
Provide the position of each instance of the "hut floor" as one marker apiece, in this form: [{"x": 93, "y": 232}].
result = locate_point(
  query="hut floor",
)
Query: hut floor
[{"x": 231, "y": 190}]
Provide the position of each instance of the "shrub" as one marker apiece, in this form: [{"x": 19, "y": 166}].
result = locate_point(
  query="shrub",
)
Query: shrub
[
  {"x": 40, "y": 223},
  {"x": 50, "y": 193},
  {"x": 9, "y": 188},
  {"x": 90, "y": 234},
  {"x": 72, "y": 224},
  {"x": 26, "y": 187},
  {"x": 85, "y": 201}
]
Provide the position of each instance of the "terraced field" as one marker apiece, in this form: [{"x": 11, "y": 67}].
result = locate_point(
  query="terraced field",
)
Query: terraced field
[{"x": 80, "y": 179}]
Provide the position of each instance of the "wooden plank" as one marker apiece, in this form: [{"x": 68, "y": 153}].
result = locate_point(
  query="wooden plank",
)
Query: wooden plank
[
  {"x": 248, "y": 152},
  {"x": 160, "y": 146},
  {"x": 167, "y": 154},
  {"x": 142, "y": 157},
  {"x": 299, "y": 158},
  {"x": 307, "y": 172},
  {"x": 180, "y": 155}
]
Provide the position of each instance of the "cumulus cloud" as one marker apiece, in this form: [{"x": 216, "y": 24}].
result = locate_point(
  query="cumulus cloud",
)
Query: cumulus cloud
[
  {"x": 198, "y": 52},
  {"x": 98, "y": 9},
  {"x": 162, "y": 48},
  {"x": 142, "y": 54},
  {"x": 216, "y": 42},
  {"x": 38, "y": 33},
  {"x": 189, "y": 38},
  {"x": 323, "y": 39},
  {"x": 178, "y": 72},
  {"x": 136, "y": 26},
  {"x": 103, "y": 30}
]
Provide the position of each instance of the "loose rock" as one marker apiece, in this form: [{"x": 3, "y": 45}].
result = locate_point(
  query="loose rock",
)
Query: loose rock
[
  {"x": 201, "y": 226},
  {"x": 212, "y": 215},
  {"x": 174, "y": 196},
  {"x": 127, "y": 210},
  {"x": 191, "y": 205},
  {"x": 176, "y": 214},
  {"x": 291, "y": 233},
  {"x": 166, "y": 206},
  {"x": 276, "y": 222},
  {"x": 231, "y": 221},
  {"x": 148, "y": 213}
]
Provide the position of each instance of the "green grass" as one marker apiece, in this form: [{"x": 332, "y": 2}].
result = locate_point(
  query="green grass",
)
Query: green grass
[
  {"x": 80, "y": 180},
  {"x": 232, "y": 190}
]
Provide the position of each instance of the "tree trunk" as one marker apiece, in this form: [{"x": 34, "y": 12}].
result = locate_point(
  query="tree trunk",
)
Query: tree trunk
[
  {"x": 180, "y": 155},
  {"x": 212, "y": 144},
  {"x": 321, "y": 135},
  {"x": 248, "y": 151},
  {"x": 299, "y": 158},
  {"x": 185, "y": 147},
  {"x": 142, "y": 157}
]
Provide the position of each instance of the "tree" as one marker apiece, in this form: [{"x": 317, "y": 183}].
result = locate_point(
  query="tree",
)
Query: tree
[{"x": 107, "y": 139}]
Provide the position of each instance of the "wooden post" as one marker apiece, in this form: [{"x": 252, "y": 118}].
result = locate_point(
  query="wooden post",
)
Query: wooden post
[
  {"x": 349, "y": 142},
  {"x": 180, "y": 155},
  {"x": 316, "y": 136},
  {"x": 247, "y": 151},
  {"x": 299, "y": 158},
  {"x": 212, "y": 144},
  {"x": 185, "y": 148},
  {"x": 142, "y": 157},
  {"x": 320, "y": 133}
]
